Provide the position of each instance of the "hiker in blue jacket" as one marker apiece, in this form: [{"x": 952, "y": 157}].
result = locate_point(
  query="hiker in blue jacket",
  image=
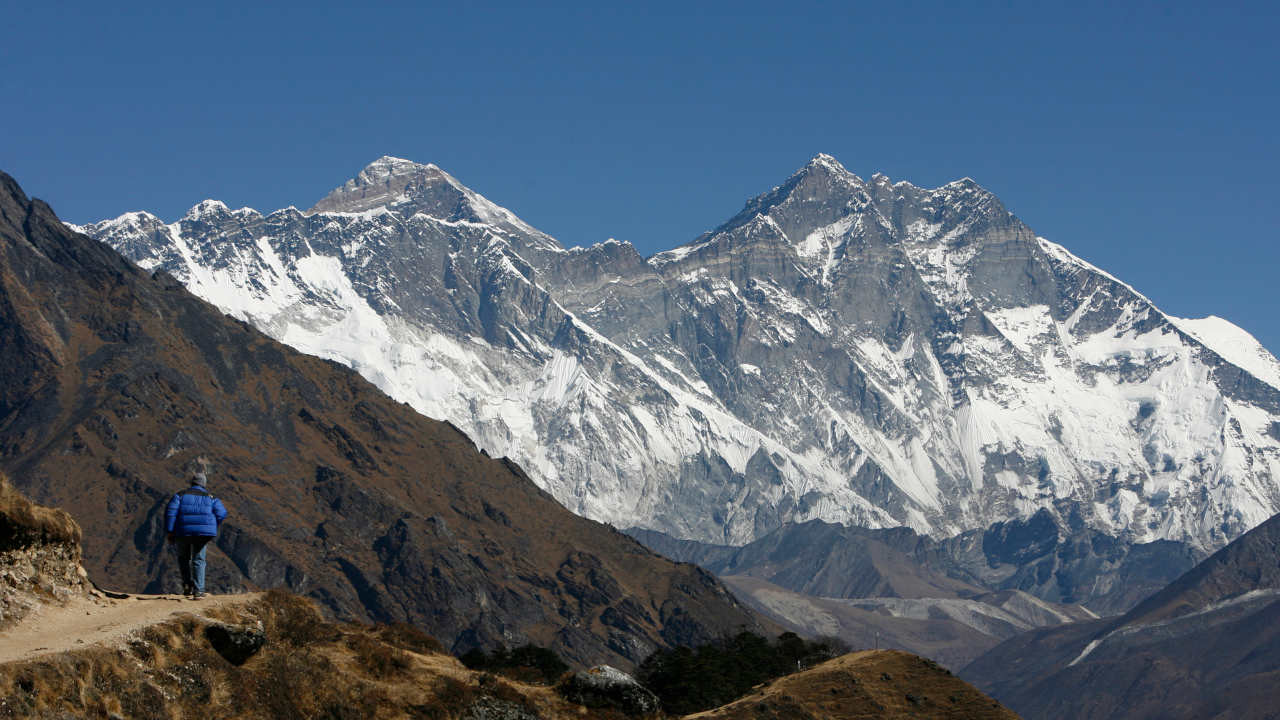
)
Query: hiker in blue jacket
[{"x": 191, "y": 521}]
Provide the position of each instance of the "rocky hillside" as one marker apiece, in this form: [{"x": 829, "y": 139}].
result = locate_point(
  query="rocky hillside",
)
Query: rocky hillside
[
  {"x": 1208, "y": 645},
  {"x": 863, "y": 352},
  {"x": 115, "y": 384},
  {"x": 39, "y": 556}
]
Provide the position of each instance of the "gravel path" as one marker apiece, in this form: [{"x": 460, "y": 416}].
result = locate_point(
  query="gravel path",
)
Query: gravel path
[{"x": 90, "y": 621}]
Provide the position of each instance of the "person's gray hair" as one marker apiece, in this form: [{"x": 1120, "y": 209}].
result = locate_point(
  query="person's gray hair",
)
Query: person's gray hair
[{"x": 199, "y": 479}]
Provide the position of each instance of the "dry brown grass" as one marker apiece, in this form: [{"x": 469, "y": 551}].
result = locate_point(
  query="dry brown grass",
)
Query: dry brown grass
[
  {"x": 295, "y": 620},
  {"x": 867, "y": 684},
  {"x": 409, "y": 637},
  {"x": 309, "y": 667},
  {"x": 377, "y": 658},
  {"x": 316, "y": 669},
  {"x": 22, "y": 523}
]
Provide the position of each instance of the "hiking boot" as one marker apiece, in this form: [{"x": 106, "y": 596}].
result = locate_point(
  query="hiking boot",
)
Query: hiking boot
[
  {"x": 188, "y": 590},
  {"x": 197, "y": 594}
]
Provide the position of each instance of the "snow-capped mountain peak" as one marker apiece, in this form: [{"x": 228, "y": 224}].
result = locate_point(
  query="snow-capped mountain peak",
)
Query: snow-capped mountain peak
[
  {"x": 388, "y": 181},
  {"x": 406, "y": 189},
  {"x": 871, "y": 353},
  {"x": 205, "y": 209},
  {"x": 827, "y": 162}
]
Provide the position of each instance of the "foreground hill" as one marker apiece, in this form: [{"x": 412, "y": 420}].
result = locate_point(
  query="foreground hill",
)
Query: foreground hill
[
  {"x": 868, "y": 684},
  {"x": 275, "y": 657},
  {"x": 1206, "y": 646},
  {"x": 272, "y": 655},
  {"x": 115, "y": 384}
]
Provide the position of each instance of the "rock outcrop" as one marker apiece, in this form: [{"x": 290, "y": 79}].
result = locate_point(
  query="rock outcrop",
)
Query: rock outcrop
[
  {"x": 39, "y": 556},
  {"x": 609, "y": 688}
]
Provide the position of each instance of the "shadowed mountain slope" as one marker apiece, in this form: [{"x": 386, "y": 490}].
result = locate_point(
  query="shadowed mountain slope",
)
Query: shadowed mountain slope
[
  {"x": 949, "y": 600},
  {"x": 1206, "y": 646},
  {"x": 1037, "y": 556},
  {"x": 115, "y": 384}
]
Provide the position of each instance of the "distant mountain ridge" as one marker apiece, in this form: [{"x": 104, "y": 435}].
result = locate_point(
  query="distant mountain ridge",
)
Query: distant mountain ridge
[
  {"x": 950, "y": 599},
  {"x": 869, "y": 353},
  {"x": 1035, "y": 556},
  {"x": 1207, "y": 645}
]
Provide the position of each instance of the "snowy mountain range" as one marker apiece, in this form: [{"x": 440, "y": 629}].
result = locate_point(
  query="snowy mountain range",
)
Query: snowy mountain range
[{"x": 858, "y": 351}]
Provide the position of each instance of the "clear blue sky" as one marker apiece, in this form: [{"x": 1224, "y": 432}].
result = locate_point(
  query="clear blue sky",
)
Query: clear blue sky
[{"x": 1143, "y": 138}]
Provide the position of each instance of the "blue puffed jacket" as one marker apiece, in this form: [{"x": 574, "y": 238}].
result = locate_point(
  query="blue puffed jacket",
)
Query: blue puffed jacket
[{"x": 194, "y": 512}]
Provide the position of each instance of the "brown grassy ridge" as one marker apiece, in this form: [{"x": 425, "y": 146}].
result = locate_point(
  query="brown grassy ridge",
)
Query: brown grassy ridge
[
  {"x": 313, "y": 668},
  {"x": 23, "y": 523},
  {"x": 867, "y": 684},
  {"x": 309, "y": 667}
]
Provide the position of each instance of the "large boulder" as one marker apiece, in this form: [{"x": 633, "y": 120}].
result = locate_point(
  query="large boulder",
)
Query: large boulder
[
  {"x": 608, "y": 687},
  {"x": 234, "y": 642}
]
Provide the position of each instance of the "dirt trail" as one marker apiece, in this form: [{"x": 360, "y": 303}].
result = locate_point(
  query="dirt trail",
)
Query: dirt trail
[{"x": 89, "y": 621}]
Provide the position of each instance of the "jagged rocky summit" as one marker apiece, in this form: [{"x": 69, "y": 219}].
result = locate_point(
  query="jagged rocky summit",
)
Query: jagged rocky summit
[{"x": 863, "y": 352}]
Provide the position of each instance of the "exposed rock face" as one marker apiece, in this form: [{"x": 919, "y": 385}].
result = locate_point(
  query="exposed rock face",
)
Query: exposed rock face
[
  {"x": 491, "y": 708},
  {"x": 39, "y": 556},
  {"x": 1060, "y": 563},
  {"x": 857, "y": 351},
  {"x": 1208, "y": 645},
  {"x": 113, "y": 383},
  {"x": 235, "y": 643}
]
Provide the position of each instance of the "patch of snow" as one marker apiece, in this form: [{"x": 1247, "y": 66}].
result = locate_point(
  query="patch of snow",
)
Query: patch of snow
[{"x": 1234, "y": 344}]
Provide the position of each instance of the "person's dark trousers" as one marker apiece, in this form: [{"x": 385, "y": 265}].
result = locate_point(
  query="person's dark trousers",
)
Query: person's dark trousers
[{"x": 191, "y": 561}]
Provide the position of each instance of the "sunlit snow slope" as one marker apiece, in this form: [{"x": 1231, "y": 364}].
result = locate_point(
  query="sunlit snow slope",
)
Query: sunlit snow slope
[{"x": 863, "y": 352}]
